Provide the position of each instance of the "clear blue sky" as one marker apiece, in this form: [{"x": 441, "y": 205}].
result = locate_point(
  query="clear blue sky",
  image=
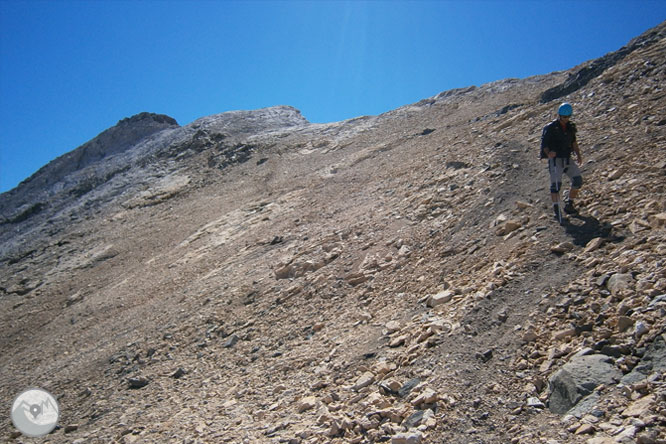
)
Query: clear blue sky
[{"x": 71, "y": 69}]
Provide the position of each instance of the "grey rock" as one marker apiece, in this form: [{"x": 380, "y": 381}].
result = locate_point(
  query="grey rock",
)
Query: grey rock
[
  {"x": 619, "y": 282},
  {"x": 179, "y": 373},
  {"x": 578, "y": 378},
  {"x": 585, "y": 405},
  {"x": 654, "y": 360},
  {"x": 233, "y": 339},
  {"x": 138, "y": 382},
  {"x": 661, "y": 299},
  {"x": 408, "y": 386},
  {"x": 413, "y": 420}
]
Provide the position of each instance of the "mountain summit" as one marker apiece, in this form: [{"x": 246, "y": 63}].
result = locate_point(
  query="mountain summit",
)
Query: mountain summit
[{"x": 254, "y": 277}]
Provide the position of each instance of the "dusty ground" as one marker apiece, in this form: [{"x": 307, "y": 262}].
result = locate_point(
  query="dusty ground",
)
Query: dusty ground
[{"x": 284, "y": 295}]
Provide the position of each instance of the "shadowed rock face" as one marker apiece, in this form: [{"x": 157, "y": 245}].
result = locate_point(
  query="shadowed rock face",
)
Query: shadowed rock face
[
  {"x": 580, "y": 77},
  {"x": 253, "y": 277},
  {"x": 57, "y": 180}
]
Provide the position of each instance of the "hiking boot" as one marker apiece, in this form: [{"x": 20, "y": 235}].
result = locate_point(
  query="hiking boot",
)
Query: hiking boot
[
  {"x": 556, "y": 213},
  {"x": 569, "y": 207}
]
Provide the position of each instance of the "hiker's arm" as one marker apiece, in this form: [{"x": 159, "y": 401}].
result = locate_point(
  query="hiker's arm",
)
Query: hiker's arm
[
  {"x": 576, "y": 149},
  {"x": 545, "y": 142}
]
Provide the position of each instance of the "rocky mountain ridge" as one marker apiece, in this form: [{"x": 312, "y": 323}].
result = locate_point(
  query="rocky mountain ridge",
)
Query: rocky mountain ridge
[{"x": 253, "y": 277}]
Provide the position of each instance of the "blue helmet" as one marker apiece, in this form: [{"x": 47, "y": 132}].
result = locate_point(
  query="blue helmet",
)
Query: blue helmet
[{"x": 565, "y": 109}]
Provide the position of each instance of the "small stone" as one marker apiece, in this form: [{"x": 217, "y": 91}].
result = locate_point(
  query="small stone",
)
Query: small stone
[
  {"x": 627, "y": 435},
  {"x": 382, "y": 368},
  {"x": 523, "y": 205},
  {"x": 536, "y": 403},
  {"x": 404, "y": 251},
  {"x": 508, "y": 227},
  {"x": 364, "y": 380},
  {"x": 391, "y": 386},
  {"x": 619, "y": 282},
  {"x": 530, "y": 335},
  {"x": 429, "y": 396},
  {"x": 640, "y": 407},
  {"x": 138, "y": 382},
  {"x": 616, "y": 174},
  {"x": 71, "y": 428},
  {"x": 307, "y": 403},
  {"x": 600, "y": 440},
  {"x": 658, "y": 220},
  {"x": 408, "y": 386},
  {"x": 413, "y": 420},
  {"x": 179, "y": 373},
  {"x": 440, "y": 298},
  {"x": 640, "y": 329},
  {"x": 233, "y": 339},
  {"x": 646, "y": 438},
  {"x": 624, "y": 323},
  {"x": 562, "y": 248},
  {"x": 563, "y": 334},
  {"x": 593, "y": 245},
  {"x": 429, "y": 419},
  {"x": 392, "y": 326},
  {"x": 398, "y": 341},
  {"x": 485, "y": 356},
  {"x": 585, "y": 429},
  {"x": 407, "y": 438}
]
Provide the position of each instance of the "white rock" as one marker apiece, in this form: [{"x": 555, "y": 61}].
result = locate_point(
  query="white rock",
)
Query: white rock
[
  {"x": 307, "y": 403},
  {"x": 364, "y": 380},
  {"x": 640, "y": 329},
  {"x": 536, "y": 403},
  {"x": 619, "y": 282},
  {"x": 440, "y": 298},
  {"x": 407, "y": 438},
  {"x": 428, "y": 396},
  {"x": 392, "y": 326}
]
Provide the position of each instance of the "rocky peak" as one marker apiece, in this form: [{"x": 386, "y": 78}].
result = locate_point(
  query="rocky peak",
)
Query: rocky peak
[
  {"x": 254, "y": 122},
  {"x": 146, "y": 117},
  {"x": 124, "y": 135},
  {"x": 121, "y": 137},
  {"x": 38, "y": 191}
]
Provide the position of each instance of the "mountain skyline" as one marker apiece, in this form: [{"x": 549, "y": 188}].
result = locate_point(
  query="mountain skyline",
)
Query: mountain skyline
[{"x": 70, "y": 70}]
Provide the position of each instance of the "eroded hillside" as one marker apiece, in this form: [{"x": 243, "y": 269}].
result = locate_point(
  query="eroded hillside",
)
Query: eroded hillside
[{"x": 253, "y": 277}]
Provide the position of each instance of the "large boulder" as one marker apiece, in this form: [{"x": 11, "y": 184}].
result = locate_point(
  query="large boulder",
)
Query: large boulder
[{"x": 578, "y": 378}]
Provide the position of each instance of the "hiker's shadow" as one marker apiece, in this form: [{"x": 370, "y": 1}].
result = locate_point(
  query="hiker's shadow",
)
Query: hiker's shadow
[{"x": 585, "y": 228}]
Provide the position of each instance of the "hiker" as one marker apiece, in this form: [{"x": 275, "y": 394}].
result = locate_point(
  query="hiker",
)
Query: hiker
[{"x": 558, "y": 141}]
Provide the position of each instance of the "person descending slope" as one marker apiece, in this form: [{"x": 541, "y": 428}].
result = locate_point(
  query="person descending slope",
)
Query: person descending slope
[{"x": 558, "y": 142}]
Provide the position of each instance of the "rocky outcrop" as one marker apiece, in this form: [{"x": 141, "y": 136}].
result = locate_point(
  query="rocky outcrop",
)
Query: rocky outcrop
[
  {"x": 117, "y": 139},
  {"x": 588, "y": 71},
  {"x": 75, "y": 173}
]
